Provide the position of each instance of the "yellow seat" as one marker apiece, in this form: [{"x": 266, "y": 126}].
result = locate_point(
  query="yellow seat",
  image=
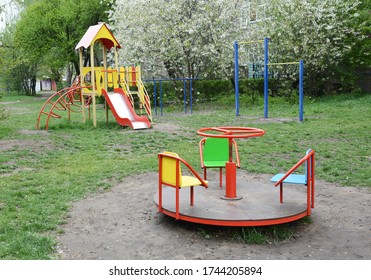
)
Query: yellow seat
[{"x": 170, "y": 174}]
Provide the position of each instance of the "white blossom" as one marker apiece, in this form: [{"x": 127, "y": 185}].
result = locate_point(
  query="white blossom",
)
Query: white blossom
[
  {"x": 194, "y": 38},
  {"x": 185, "y": 37}
]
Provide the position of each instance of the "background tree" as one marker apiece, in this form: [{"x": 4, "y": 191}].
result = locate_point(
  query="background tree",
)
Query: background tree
[
  {"x": 46, "y": 35},
  {"x": 189, "y": 38},
  {"x": 195, "y": 38},
  {"x": 321, "y": 32},
  {"x": 35, "y": 37},
  {"x": 359, "y": 58},
  {"x": 180, "y": 38}
]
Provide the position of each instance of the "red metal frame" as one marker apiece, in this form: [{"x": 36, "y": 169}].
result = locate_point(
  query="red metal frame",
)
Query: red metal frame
[
  {"x": 65, "y": 98},
  {"x": 309, "y": 158},
  {"x": 231, "y": 132},
  {"x": 242, "y": 223},
  {"x": 133, "y": 73}
]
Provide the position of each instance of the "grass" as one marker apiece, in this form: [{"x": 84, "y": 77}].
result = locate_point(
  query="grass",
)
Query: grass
[{"x": 43, "y": 173}]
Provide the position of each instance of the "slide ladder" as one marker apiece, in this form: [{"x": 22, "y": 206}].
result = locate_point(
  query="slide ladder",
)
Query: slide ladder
[
  {"x": 133, "y": 80},
  {"x": 144, "y": 98}
]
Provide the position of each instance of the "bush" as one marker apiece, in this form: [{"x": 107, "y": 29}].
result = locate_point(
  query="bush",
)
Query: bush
[
  {"x": 222, "y": 91},
  {"x": 172, "y": 91},
  {"x": 211, "y": 89}
]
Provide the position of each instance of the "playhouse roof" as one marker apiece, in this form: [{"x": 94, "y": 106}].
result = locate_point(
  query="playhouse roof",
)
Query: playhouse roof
[{"x": 101, "y": 33}]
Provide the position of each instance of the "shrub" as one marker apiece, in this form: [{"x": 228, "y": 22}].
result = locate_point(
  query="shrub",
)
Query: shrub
[{"x": 222, "y": 91}]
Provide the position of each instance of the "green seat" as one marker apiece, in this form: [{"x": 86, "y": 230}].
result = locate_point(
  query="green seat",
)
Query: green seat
[{"x": 214, "y": 153}]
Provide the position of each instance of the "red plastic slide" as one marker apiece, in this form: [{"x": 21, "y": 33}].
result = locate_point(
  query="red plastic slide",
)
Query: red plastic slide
[{"x": 123, "y": 111}]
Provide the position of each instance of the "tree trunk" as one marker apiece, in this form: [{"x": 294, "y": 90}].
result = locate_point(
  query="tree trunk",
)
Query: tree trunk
[{"x": 33, "y": 85}]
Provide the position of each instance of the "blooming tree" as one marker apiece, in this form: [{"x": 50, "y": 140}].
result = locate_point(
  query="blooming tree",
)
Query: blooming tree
[
  {"x": 321, "y": 32},
  {"x": 178, "y": 38},
  {"x": 194, "y": 38}
]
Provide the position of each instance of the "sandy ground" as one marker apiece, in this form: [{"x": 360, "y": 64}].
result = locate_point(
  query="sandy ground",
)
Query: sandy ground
[{"x": 123, "y": 223}]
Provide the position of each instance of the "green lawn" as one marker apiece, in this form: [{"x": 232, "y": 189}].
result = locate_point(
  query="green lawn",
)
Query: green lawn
[{"x": 42, "y": 173}]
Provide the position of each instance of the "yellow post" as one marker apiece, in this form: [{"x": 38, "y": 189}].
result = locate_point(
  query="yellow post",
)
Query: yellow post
[
  {"x": 105, "y": 79},
  {"x": 93, "y": 84},
  {"x": 116, "y": 58},
  {"x": 117, "y": 67},
  {"x": 82, "y": 83}
]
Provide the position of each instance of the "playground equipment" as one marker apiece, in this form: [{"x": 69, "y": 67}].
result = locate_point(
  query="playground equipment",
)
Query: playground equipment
[
  {"x": 230, "y": 166},
  {"x": 214, "y": 153},
  {"x": 170, "y": 174},
  {"x": 68, "y": 99},
  {"x": 265, "y": 41},
  {"x": 93, "y": 80},
  {"x": 301, "y": 179},
  {"x": 256, "y": 203},
  {"x": 123, "y": 111}
]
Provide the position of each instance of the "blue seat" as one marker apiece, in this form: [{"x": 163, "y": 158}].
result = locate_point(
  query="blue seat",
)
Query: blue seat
[
  {"x": 301, "y": 179},
  {"x": 291, "y": 179}
]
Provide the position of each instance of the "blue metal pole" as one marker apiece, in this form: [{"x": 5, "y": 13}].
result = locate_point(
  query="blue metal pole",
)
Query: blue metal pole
[
  {"x": 190, "y": 95},
  {"x": 185, "y": 95},
  {"x": 301, "y": 90},
  {"x": 161, "y": 97},
  {"x": 236, "y": 78},
  {"x": 155, "y": 95},
  {"x": 266, "y": 61}
]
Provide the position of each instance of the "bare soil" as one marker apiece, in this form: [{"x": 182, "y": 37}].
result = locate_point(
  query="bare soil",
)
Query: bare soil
[{"x": 123, "y": 223}]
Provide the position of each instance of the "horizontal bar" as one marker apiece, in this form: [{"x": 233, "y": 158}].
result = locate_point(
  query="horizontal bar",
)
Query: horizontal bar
[
  {"x": 250, "y": 42},
  {"x": 165, "y": 79},
  {"x": 283, "y": 63}
]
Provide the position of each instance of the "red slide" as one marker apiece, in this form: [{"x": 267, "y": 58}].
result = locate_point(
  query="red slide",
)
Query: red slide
[{"x": 123, "y": 111}]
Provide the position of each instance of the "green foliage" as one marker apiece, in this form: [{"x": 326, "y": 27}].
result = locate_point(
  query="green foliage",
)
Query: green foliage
[
  {"x": 325, "y": 34},
  {"x": 222, "y": 91},
  {"x": 265, "y": 235},
  {"x": 9, "y": 81},
  {"x": 43, "y": 42},
  {"x": 213, "y": 89},
  {"x": 179, "y": 39}
]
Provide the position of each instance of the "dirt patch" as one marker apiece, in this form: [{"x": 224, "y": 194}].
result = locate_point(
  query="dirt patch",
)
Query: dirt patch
[
  {"x": 161, "y": 127},
  {"x": 123, "y": 223},
  {"x": 34, "y": 132},
  {"x": 30, "y": 145}
]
